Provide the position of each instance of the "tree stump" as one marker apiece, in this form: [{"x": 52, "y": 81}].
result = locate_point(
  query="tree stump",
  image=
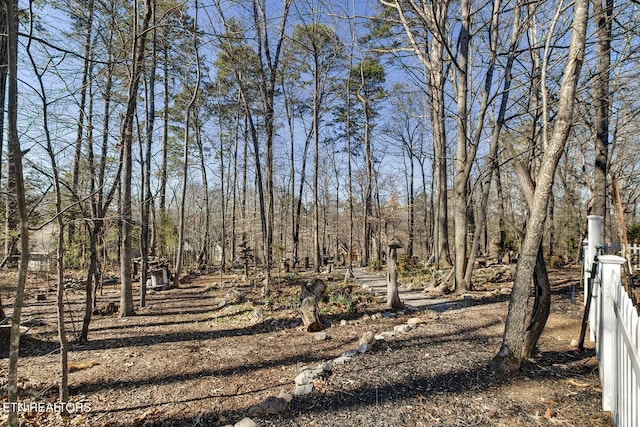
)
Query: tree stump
[
  {"x": 393, "y": 299},
  {"x": 310, "y": 294}
]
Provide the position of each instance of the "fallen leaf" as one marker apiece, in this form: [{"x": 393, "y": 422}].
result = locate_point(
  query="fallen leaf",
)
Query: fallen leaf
[{"x": 549, "y": 413}]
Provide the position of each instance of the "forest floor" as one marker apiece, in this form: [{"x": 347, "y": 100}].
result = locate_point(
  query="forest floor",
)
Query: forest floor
[{"x": 204, "y": 354}]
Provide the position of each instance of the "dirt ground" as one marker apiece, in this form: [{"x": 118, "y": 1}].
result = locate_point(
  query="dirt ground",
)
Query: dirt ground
[{"x": 203, "y": 354}]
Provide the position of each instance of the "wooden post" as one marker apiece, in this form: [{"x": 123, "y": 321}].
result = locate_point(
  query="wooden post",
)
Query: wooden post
[{"x": 393, "y": 299}]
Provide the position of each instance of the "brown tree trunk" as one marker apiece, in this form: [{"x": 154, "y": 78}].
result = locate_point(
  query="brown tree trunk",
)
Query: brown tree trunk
[
  {"x": 541, "y": 306},
  {"x": 126, "y": 139},
  {"x": 512, "y": 350},
  {"x": 185, "y": 159},
  {"x": 146, "y": 170},
  {"x": 310, "y": 295},
  {"x": 21, "y": 205},
  {"x": 602, "y": 15}
]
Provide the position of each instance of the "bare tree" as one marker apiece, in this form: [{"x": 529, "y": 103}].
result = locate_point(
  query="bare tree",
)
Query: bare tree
[
  {"x": 126, "y": 140},
  {"x": 602, "y": 15},
  {"x": 431, "y": 52},
  {"x": 513, "y": 344},
  {"x": 60, "y": 250},
  {"x": 21, "y": 204},
  {"x": 145, "y": 155},
  {"x": 185, "y": 159},
  {"x": 268, "y": 56}
]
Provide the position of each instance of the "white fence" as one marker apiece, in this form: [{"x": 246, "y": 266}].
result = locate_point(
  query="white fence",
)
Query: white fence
[{"x": 615, "y": 327}]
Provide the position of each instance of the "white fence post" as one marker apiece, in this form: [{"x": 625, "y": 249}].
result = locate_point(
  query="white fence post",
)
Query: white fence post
[
  {"x": 594, "y": 240},
  {"x": 608, "y": 328}
]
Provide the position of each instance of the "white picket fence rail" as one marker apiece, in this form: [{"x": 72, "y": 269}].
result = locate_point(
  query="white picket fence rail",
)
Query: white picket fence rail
[{"x": 615, "y": 327}]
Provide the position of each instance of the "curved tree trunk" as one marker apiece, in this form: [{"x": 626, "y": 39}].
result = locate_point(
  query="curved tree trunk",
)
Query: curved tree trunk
[
  {"x": 541, "y": 306},
  {"x": 512, "y": 350}
]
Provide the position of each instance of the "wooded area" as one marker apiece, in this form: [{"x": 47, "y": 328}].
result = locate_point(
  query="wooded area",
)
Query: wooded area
[{"x": 263, "y": 136}]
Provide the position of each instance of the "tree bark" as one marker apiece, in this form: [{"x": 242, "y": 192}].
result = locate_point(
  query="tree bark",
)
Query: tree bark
[
  {"x": 310, "y": 295},
  {"x": 21, "y": 205},
  {"x": 126, "y": 139},
  {"x": 82, "y": 113},
  {"x": 512, "y": 350},
  {"x": 60, "y": 249},
  {"x": 492, "y": 156},
  {"x": 185, "y": 159},
  {"x": 602, "y": 15},
  {"x": 463, "y": 155},
  {"x": 146, "y": 169}
]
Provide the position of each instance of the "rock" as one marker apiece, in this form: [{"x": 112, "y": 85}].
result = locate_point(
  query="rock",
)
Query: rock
[
  {"x": 367, "y": 338},
  {"x": 574, "y": 343},
  {"x": 401, "y": 329},
  {"x": 415, "y": 321},
  {"x": 349, "y": 353},
  {"x": 312, "y": 372},
  {"x": 380, "y": 337},
  {"x": 325, "y": 366},
  {"x": 307, "y": 375},
  {"x": 320, "y": 336},
  {"x": 285, "y": 396},
  {"x": 341, "y": 360},
  {"x": 364, "y": 347},
  {"x": 301, "y": 390},
  {"x": 302, "y": 379},
  {"x": 245, "y": 422},
  {"x": 505, "y": 291},
  {"x": 343, "y": 322},
  {"x": 271, "y": 406}
]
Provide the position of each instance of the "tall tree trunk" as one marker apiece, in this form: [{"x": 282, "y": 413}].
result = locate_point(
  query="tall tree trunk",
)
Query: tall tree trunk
[
  {"x": 204, "y": 256},
  {"x": 165, "y": 130},
  {"x": 3, "y": 98},
  {"x": 492, "y": 156},
  {"x": 88, "y": 46},
  {"x": 126, "y": 139},
  {"x": 21, "y": 205},
  {"x": 98, "y": 203},
  {"x": 146, "y": 168},
  {"x": 316, "y": 151},
  {"x": 462, "y": 158},
  {"x": 512, "y": 350},
  {"x": 602, "y": 15},
  {"x": 185, "y": 159},
  {"x": 62, "y": 335}
]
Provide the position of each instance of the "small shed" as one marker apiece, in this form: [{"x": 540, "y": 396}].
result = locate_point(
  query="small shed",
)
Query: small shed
[{"x": 39, "y": 262}]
